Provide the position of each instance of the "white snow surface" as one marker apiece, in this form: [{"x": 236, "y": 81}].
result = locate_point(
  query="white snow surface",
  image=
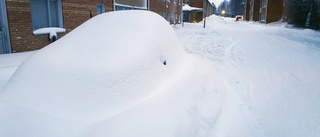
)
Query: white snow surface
[
  {"x": 271, "y": 73},
  {"x": 186, "y": 7},
  {"x": 9, "y": 63},
  {"x": 49, "y": 30},
  {"x": 107, "y": 78}
]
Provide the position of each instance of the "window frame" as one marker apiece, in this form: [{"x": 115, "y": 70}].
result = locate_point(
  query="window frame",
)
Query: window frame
[
  {"x": 167, "y": 3},
  {"x": 103, "y": 8},
  {"x": 59, "y": 14}
]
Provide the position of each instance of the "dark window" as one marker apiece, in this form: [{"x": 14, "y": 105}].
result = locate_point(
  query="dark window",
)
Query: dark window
[{"x": 46, "y": 13}]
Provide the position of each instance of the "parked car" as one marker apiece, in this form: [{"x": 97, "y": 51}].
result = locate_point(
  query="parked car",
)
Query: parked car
[{"x": 239, "y": 17}]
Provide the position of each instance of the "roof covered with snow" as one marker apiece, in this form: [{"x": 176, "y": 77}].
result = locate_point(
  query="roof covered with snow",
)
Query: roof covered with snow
[{"x": 186, "y": 7}]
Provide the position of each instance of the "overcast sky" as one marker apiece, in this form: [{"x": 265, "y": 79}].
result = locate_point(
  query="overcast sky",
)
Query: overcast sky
[{"x": 216, "y": 2}]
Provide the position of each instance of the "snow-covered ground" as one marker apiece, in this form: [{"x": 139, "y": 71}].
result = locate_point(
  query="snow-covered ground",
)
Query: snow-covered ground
[
  {"x": 272, "y": 76},
  {"x": 230, "y": 79},
  {"x": 9, "y": 63}
]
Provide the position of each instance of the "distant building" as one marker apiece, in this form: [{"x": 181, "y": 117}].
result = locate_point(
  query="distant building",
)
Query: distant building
[
  {"x": 171, "y": 10},
  {"x": 192, "y": 14},
  {"x": 21, "y": 18},
  {"x": 246, "y": 15},
  {"x": 196, "y": 10},
  {"x": 266, "y": 11}
]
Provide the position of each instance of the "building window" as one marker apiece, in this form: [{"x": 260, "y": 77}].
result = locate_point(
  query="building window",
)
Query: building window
[
  {"x": 179, "y": 2},
  {"x": 127, "y": 7},
  {"x": 123, "y": 7},
  {"x": 179, "y": 18},
  {"x": 46, "y": 13},
  {"x": 264, "y": 3},
  {"x": 168, "y": 17},
  {"x": 262, "y": 17},
  {"x": 174, "y": 2},
  {"x": 167, "y": 3},
  {"x": 174, "y": 18},
  {"x": 162, "y": 15},
  {"x": 100, "y": 9}
]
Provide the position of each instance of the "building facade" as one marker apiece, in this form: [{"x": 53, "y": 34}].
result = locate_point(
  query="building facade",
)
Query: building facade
[
  {"x": 266, "y": 11},
  {"x": 171, "y": 10},
  {"x": 21, "y": 18},
  {"x": 246, "y": 15},
  {"x": 204, "y": 4},
  {"x": 254, "y": 10},
  {"x": 196, "y": 10}
]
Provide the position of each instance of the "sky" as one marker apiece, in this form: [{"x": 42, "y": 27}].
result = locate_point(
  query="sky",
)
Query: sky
[{"x": 216, "y": 2}]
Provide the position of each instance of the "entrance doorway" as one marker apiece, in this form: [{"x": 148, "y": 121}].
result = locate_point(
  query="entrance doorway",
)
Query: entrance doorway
[{"x": 4, "y": 31}]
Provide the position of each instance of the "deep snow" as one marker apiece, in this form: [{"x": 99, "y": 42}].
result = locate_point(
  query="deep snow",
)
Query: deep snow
[
  {"x": 272, "y": 76},
  {"x": 9, "y": 63},
  {"x": 232, "y": 79}
]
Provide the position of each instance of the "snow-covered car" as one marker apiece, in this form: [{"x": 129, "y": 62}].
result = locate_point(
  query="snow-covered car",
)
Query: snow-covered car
[{"x": 103, "y": 67}]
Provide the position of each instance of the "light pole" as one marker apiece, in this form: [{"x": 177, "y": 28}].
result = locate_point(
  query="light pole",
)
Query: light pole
[{"x": 204, "y": 24}]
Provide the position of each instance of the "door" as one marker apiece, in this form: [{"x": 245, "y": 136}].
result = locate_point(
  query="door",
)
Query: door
[{"x": 4, "y": 31}]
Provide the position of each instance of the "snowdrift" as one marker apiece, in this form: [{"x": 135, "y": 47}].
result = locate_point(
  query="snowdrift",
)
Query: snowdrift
[
  {"x": 108, "y": 78},
  {"x": 98, "y": 70}
]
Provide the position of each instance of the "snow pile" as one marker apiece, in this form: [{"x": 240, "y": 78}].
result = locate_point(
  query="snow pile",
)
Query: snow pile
[
  {"x": 9, "y": 63},
  {"x": 104, "y": 67},
  {"x": 271, "y": 74},
  {"x": 97, "y": 66},
  {"x": 108, "y": 78},
  {"x": 186, "y": 7},
  {"x": 215, "y": 20}
]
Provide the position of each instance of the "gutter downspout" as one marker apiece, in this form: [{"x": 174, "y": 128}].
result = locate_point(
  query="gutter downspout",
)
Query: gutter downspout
[
  {"x": 114, "y": 5},
  {"x": 204, "y": 24},
  {"x": 181, "y": 15},
  {"x": 265, "y": 22}
]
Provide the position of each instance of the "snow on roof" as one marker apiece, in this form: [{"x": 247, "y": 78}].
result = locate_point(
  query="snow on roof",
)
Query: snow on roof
[{"x": 186, "y": 7}]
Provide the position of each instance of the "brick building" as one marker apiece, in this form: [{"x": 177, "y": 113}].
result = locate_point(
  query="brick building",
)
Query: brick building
[
  {"x": 169, "y": 9},
  {"x": 254, "y": 10},
  {"x": 196, "y": 10},
  {"x": 204, "y": 4},
  {"x": 266, "y": 11},
  {"x": 20, "y": 18},
  {"x": 246, "y": 15}
]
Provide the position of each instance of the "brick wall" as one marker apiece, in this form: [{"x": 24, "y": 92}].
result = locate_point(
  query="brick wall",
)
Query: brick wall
[
  {"x": 247, "y": 9},
  {"x": 74, "y": 13},
  {"x": 274, "y": 11},
  {"x": 20, "y": 27},
  {"x": 256, "y": 10},
  {"x": 159, "y": 6},
  {"x": 209, "y": 8},
  {"x": 196, "y": 3}
]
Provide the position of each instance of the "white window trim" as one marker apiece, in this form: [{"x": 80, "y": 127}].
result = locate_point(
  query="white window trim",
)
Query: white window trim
[
  {"x": 167, "y": 3},
  {"x": 59, "y": 9}
]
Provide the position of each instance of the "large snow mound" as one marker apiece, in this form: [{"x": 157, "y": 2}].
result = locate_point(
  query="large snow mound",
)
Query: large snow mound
[{"x": 103, "y": 67}]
